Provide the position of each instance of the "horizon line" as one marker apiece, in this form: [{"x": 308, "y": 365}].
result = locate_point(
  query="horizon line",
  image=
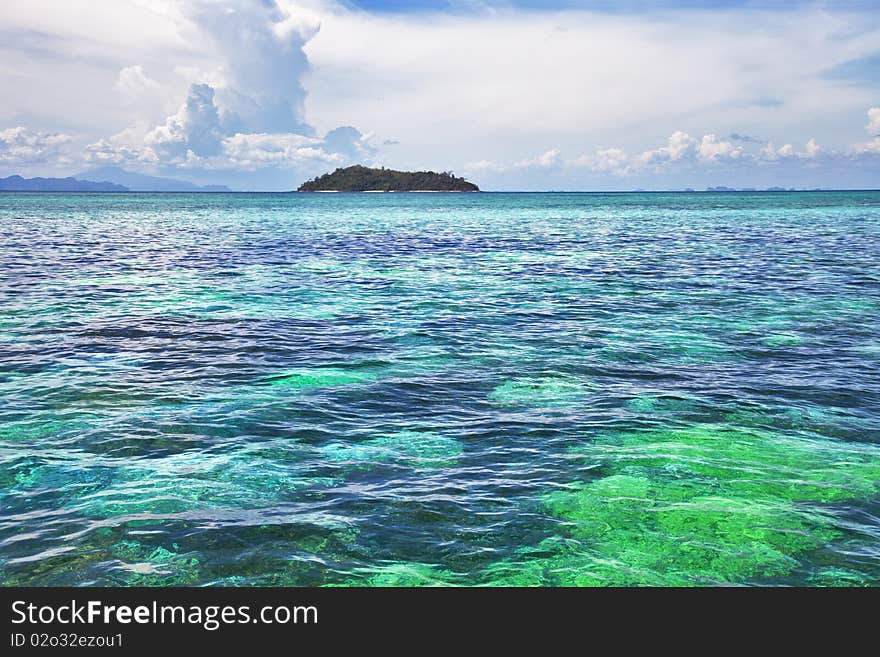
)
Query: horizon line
[{"x": 482, "y": 191}]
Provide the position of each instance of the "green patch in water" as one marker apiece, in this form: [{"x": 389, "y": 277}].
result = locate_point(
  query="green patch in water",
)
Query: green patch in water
[
  {"x": 421, "y": 449},
  {"x": 137, "y": 565},
  {"x": 563, "y": 561},
  {"x": 708, "y": 504},
  {"x": 651, "y": 404},
  {"x": 753, "y": 463},
  {"x": 540, "y": 391},
  {"x": 418, "y": 363},
  {"x": 198, "y": 481},
  {"x": 840, "y": 577},
  {"x": 630, "y": 530},
  {"x": 402, "y": 575},
  {"x": 322, "y": 377},
  {"x": 28, "y": 431},
  {"x": 780, "y": 340},
  {"x": 689, "y": 345}
]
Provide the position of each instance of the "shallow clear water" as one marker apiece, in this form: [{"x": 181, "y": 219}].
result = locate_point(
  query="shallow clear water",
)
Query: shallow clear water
[{"x": 541, "y": 389}]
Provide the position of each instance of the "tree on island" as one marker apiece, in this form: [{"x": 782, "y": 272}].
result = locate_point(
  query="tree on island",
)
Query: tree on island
[{"x": 359, "y": 178}]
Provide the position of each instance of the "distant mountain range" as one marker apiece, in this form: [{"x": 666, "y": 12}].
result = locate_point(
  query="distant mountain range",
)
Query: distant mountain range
[
  {"x": 19, "y": 184},
  {"x": 768, "y": 189},
  {"x": 112, "y": 179},
  {"x": 139, "y": 182}
]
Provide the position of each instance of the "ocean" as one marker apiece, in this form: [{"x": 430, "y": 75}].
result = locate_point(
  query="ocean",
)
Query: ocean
[{"x": 627, "y": 389}]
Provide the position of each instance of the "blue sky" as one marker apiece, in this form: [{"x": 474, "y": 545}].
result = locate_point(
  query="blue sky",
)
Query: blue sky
[{"x": 515, "y": 94}]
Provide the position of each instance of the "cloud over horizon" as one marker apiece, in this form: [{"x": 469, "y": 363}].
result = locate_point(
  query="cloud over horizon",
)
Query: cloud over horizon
[{"x": 265, "y": 94}]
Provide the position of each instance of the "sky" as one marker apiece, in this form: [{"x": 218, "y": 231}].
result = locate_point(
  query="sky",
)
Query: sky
[{"x": 512, "y": 94}]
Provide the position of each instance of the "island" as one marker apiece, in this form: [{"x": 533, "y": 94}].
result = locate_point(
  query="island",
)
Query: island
[
  {"x": 139, "y": 182},
  {"x": 359, "y": 178},
  {"x": 19, "y": 184},
  {"x": 722, "y": 188}
]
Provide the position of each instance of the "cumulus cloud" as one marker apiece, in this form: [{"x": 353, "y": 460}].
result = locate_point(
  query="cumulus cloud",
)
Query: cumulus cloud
[
  {"x": 546, "y": 160},
  {"x": 812, "y": 149},
  {"x": 873, "y": 126},
  {"x": 254, "y": 89},
  {"x": 679, "y": 146},
  {"x": 196, "y": 127},
  {"x": 868, "y": 147},
  {"x": 246, "y": 111},
  {"x": 22, "y": 147},
  {"x": 771, "y": 153},
  {"x": 108, "y": 151},
  {"x": 680, "y": 149},
  {"x": 260, "y": 47},
  {"x": 713, "y": 149},
  {"x": 608, "y": 160},
  {"x": 135, "y": 85},
  {"x": 871, "y": 147},
  {"x": 260, "y": 150},
  {"x": 680, "y": 155},
  {"x": 484, "y": 166}
]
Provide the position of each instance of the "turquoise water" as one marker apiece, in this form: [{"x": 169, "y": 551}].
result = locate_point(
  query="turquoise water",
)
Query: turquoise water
[{"x": 428, "y": 389}]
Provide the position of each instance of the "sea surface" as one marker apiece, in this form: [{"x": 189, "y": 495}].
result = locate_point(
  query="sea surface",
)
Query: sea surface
[{"x": 431, "y": 389}]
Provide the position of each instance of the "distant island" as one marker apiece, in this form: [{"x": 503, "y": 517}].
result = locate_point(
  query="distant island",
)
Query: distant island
[
  {"x": 112, "y": 179},
  {"x": 364, "y": 179},
  {"x": 19, "y": 184},
  {"x": 748, "y": 189},
  {"x": 139, "y": 182}
]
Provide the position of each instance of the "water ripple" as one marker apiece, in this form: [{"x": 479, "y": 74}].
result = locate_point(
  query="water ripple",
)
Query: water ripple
[{"x": 538, "y": 389}]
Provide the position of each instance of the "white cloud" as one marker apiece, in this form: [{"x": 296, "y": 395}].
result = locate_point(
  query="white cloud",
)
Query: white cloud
[
  {"x": 609, "y": 160},
  {"x": 22, "y": 147},
  {"x": 812, "y": 149},
  {"x": 135, "y": 85},
  {"x": 547, "y": 159},
  {"x": 259, "y": 46},
  {"x": 771, "y": 153},
  {"x": 712, "y": 149},
  {"x": 257, "y": 151},
  {"x": 871, "y": 147},
  {"x": 115, "y": 151},
  {"x": 237, "y": 69},
  {"x": 245, "y": 111},
  {"x": 682, "y": 155},
  {"x": 679, "y": 146},
  {"x": 873, "y": 126},
  {"x": 868, "y": 147},
  {"x": 196, "y": 127},
  {"x": 254, "y": 89},
  {"x": 483, "y": 166}
]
